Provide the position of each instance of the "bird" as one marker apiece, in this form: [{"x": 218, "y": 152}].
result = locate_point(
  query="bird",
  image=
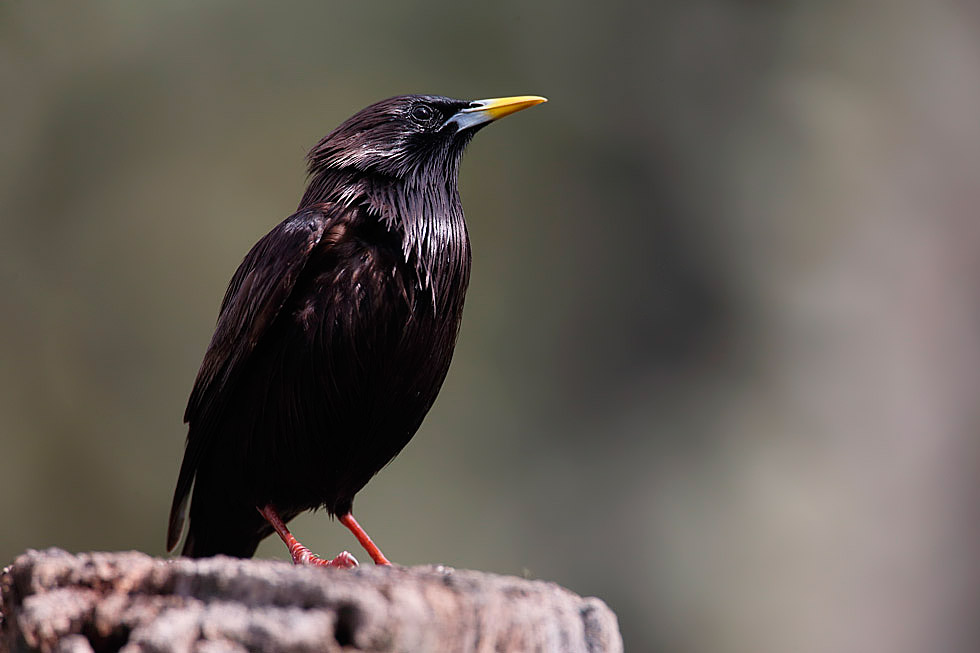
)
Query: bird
[{"x": 335, "y": 334}]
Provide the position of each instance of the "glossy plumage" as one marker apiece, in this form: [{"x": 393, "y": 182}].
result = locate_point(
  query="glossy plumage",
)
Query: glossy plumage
[{"x": 335, "y": 333}]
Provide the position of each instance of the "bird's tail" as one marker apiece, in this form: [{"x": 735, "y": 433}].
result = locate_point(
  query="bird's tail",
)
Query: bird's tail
[
  {"x": 220, "y": 522},
  {"x": 224, "y": 530}
]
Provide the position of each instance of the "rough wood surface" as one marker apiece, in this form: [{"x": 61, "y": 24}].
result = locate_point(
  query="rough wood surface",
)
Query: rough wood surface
[{"x": 55, "y": 601}]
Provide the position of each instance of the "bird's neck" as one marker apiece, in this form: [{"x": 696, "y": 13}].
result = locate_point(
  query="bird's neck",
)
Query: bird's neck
[{"x": 427, "y": 216}]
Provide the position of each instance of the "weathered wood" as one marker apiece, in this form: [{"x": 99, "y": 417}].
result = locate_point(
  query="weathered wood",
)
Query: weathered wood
[{"x": 55, "y": 601}]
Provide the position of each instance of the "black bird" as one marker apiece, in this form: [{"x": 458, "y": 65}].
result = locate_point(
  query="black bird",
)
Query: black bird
[{"x": 335, "y": 333}]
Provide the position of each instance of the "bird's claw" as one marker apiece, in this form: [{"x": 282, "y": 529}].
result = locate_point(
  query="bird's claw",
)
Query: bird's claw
[{"x": 344, "y": 560}]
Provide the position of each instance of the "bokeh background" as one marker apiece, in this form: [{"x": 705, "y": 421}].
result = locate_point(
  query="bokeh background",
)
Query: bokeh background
[{"x": 721, "y": 354}]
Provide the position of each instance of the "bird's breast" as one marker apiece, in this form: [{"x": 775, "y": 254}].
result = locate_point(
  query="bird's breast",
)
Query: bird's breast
[{"x": 368, "y": 303}]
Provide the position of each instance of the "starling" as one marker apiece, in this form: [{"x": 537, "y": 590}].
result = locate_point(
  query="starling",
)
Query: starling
[{"x": 335, "y": 333}]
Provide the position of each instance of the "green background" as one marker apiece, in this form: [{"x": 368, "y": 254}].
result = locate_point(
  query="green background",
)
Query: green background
[{"x": 719, "y": 363}]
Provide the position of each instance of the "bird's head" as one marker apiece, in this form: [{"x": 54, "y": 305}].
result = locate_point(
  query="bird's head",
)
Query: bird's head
[{"x": 410, "y": 137}]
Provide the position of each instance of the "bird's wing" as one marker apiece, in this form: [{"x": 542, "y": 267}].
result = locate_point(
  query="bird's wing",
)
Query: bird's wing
[{"x": 257, "y": 292}]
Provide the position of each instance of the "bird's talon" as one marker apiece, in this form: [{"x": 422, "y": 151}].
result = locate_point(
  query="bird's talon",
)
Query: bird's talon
[{"x": 344, "y": 560}]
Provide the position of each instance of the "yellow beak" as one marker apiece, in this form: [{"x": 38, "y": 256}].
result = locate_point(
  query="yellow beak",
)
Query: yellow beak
[{"x": 483, "y": 111}]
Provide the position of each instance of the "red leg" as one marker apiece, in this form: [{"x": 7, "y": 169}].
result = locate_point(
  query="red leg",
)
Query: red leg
[
  {"x": 362, "y": 537},
  {"x": 300, "y": 554}
]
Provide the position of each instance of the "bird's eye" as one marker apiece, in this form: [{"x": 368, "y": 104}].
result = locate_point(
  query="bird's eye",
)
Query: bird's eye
[{"x": 423, "y": 113}]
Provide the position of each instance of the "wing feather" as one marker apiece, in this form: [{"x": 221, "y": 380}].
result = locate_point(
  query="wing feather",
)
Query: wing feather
[{"x": 256, "y": 294}]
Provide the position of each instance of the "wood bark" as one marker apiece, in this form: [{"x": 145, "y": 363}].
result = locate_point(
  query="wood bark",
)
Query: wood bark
[{"x": 58, "y": 602}]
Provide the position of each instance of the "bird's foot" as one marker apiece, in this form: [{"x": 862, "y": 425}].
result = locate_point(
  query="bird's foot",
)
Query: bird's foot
[{"x": 303, "y": 556}]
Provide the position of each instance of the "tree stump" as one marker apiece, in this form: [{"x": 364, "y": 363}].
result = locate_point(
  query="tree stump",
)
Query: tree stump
[{"x": 64, "y": 603}]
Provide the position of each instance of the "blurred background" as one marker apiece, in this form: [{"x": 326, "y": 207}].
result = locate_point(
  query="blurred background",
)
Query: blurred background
[{"x": 721, "y": 354}]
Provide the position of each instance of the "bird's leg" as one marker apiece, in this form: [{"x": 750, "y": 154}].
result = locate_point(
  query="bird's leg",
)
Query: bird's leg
[
  {"x": 300, "y": 554},
  {"x": 362, "y": 537}
]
